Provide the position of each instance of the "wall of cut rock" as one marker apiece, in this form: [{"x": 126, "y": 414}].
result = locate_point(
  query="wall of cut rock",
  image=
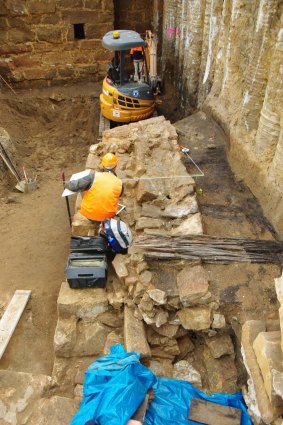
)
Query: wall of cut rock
[
  {"x": 164, "y": 310},
  {"x": 41, "y": 40},
  {"x": 226, "y": 57}
]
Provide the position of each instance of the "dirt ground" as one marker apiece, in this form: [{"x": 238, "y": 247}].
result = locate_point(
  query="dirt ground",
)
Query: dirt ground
[{"x": 52, "y": 129}]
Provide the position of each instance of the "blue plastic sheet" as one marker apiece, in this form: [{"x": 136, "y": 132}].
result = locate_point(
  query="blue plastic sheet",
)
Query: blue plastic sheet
[{"x": 116, "y": 385}]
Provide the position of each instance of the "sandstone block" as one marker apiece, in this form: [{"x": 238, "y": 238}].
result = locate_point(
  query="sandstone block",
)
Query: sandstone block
[
  {"x": 134, "y": 334},
  {"x": 218, "y": 321},
  {"x": 148, "y": 190},
  {"x": 119, "y": 264},
  {"x": 91, "y": 339},
  {"x": 81, "y": 226},
  {"x": 222, "y": 374},
  {"x": 92, "y": 161},
  {"x": 21, "y": 35},
  {"x": 17, "y": 8},
  {"x": 267, "y": 348},
  {"x": 159, "y": 297},
  {"x": 65, "y": 336},
  {"x": 181, "y": 210},
  {"x": 186, "y": 372},
  {"x": 20, "y": 394},
  {"x": 279, "y": 288},
  {"x": 185, "y": 345},
  {"x": 281, "y": 324},
  {"x": 113, "y": 338},
  {"x": 149, "y": 210},
  {"x": 191, "y": 226},
  {"x": 146, "y": 304},
  {"x": 220, "y": 345},
  {"x": 161, "y": 317},
  {"x": 148, "y": 223},
  {"x": 60, "y": 409},
  {"x": 145, "y": 278},
  {"x": 256, "y": 398},
  {"x": 74, "y": 16},
  {"x": 192, "y": 283},
  {"x": 167, "y": 330},
  {"x": 42, "y": 6},
  {"x": 49, "y": 33},
  {"x": 195, "y": 318},
  {"x": 86, "y": 303},
  {"x": 110, "y": 318}
]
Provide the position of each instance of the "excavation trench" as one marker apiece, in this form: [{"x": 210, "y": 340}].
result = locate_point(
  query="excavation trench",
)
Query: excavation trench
[{"x": 51, "y": 132}]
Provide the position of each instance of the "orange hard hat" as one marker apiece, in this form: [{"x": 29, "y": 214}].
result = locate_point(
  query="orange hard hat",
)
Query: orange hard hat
[{"x": 109, "y": 161}]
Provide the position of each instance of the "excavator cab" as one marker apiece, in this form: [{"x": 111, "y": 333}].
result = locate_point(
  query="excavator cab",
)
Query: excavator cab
[{"x": 123, "y": 100}]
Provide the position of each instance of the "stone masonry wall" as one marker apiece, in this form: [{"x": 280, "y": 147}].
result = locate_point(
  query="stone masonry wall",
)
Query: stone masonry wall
[
  {"x": 164, "y": 310},
  {"x": 226, "y": 57},
  {"x": 38, "y": 42}
]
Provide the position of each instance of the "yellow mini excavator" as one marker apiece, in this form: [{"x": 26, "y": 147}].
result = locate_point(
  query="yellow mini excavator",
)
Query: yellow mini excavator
[{"x": 122, "y": 99}]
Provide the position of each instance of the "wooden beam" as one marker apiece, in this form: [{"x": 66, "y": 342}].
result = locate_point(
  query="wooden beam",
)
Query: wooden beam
[
  {"x": 208, "y": 413},
  {"x": 11, "y": 317}
]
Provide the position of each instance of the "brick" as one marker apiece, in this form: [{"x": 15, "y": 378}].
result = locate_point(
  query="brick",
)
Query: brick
[
  {"x": 267, "y": 348},
  {"x": 257, "y": 398},
  {"x": 134, "y": 334}
]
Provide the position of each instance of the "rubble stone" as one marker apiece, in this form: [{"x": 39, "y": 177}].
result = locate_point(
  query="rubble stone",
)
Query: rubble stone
[
  {"x": 192, "y": 283},
  {"x": 257, "y": 399},
  {"x": 220, "y": 345},
  {"x": 148, "y": 223},
  {"x": 167, "y": 330},
  {"x": 134, "y": 334},
  {"x": 65, "y": 336},
  {"x": 279, "y": 288},
  {"x": 60, "y": 409},
  {"x": 91, "y": 339},
  {"x": 182, "y": 210},
  {"x": 281, "y": 324},
  {"x": 120, "y": 266},
  {"x": 191, "y": 226},
  {"x": 219, "y": 321},
  {"x": 222, "y": 374},
  {"x": 83, "y": 303},
  {"x": 195, "y": 318},
  {"x": 146, "y": 278},
  {"x": 149, "y": 210},
  {"x": 185, "y": 345},
  {"x": 267, "y": 348},
  {"x": 159, "y": 297},
  {"x": 186, "y": 372}
]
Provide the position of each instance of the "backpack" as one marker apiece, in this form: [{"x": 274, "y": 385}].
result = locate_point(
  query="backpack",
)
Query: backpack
[{"x": 118, "y": 234}]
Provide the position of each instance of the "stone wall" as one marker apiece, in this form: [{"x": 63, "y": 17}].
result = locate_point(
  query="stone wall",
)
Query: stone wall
[
  {"x": 133, "y": 15},
  {"x": 224, "y": 57},
  {"x": 41, "y": 39}
]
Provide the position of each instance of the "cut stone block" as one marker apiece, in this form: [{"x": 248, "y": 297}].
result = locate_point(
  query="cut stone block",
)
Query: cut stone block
[
  {"x": 191, "y": 226},
  {"x": 20, "y": 394},
  {"x": 279, "y": 288},
  {"x": 220, "y": 345},
  {"x": 195, "y": 318},
  {"x": 65, "y": 336},
  {"x": 257, "y": 399},
  {"x": 91, "y": 339},
  {"x": 186, "y": 372},
  {"x": 149, "y": 210},
  {"x": 148, "y": 190},
  {"x": 119, "y": 264},
  {"x": 192, "y": 283},
  {"x": 181, "y": 210},
  {"x": 267, "y": 348},
  {"x": 83, "y": 303},
  {"x": 60, "y": 410},
  {"x": 148, "y": 223},
  {"x": 134, "y": 334}
]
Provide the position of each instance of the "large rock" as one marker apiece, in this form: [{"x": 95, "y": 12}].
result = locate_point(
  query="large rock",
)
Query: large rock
[
  {"x": 181, "y": 210},
  {"x": 222, "y": 374},
  {"x": 256, "y": 398},
  {"x": 149, "y": 223},
  {"x": 186, "y": 372},
  {"x": 267, "y": 348},
  {"x": 192, "y": 283},
  {"x": 191, "y": 226},
  {"x": 65, "y": 336},
  {"x": 119, "y": 264},
  {"x": 91, "y": 338},
  {"x": 195, "y": 318},
  {"x": 220, "y": 345},
  {"x": 83, "y": 303},
  {"x": 58, "y": 410},
  {"x": 20, "y": 394},
  {"x": 134, "y": 334}
]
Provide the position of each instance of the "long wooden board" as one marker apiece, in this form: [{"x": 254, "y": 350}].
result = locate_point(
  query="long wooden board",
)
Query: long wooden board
[
  {"x": 11, "y": 317},
  {"x": 208, "y": 413}
]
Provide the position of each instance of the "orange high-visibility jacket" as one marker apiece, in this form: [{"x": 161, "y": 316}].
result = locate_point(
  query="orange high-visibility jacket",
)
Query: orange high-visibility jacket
[
  {"x": 135, "y": 49},
  {"x": 101, "y": 200}
]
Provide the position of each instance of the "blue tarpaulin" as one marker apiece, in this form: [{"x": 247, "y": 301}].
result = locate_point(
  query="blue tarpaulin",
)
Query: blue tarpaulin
[{"x": 116, "y": 385}]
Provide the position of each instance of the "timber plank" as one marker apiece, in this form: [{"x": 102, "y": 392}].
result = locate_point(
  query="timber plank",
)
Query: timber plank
[
  {"x": 208, "y": 413},
  {"x": 11, "y": 317}
]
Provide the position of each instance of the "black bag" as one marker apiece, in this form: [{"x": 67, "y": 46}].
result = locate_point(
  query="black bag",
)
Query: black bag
[{"x": 91, "y": 244}]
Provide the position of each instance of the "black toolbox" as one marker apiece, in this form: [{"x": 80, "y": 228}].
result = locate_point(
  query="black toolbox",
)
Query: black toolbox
[{"x": 87, "y": 262}]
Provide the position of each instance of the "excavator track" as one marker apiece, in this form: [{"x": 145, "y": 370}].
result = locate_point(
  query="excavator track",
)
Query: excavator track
[{"x": 104, "y": 124}]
